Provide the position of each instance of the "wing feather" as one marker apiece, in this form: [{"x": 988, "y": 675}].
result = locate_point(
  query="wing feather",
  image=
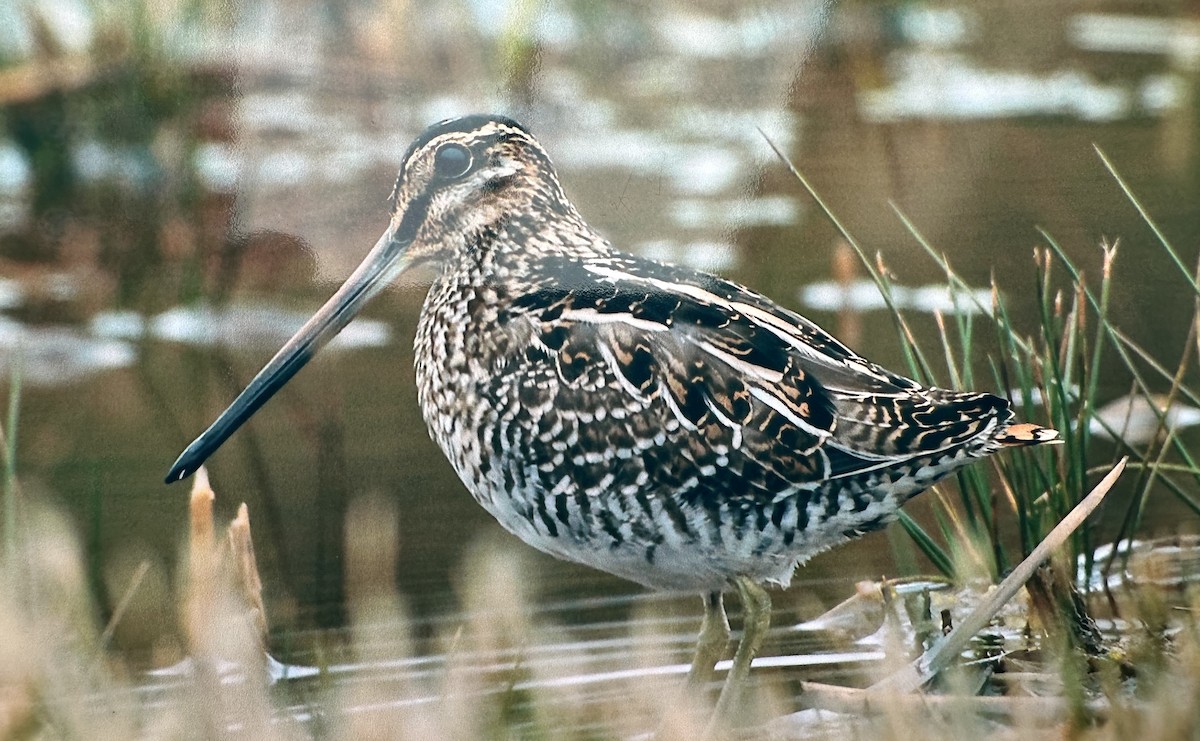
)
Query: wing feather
[{"x": 730, "y": 370}]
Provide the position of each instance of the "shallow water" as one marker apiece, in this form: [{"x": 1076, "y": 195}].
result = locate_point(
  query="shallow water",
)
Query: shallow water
[{"x": 978, "y": 124}]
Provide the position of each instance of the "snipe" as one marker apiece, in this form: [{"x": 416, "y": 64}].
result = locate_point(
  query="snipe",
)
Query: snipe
[{"x": 655, "y": 422}]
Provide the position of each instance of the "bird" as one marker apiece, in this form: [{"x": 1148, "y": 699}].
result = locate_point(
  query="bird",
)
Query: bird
[{"x": 655, "y": 422}]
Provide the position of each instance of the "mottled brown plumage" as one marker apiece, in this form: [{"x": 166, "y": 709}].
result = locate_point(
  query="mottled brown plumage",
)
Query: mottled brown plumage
[{"x": 659, "y": 423}]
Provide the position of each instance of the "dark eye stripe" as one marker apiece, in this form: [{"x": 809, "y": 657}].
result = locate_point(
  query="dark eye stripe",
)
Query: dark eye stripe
[{"x": 414, "y": 216}]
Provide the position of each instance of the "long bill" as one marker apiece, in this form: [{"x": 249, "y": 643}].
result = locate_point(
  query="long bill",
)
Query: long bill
[{"x": 384, "y": 262}]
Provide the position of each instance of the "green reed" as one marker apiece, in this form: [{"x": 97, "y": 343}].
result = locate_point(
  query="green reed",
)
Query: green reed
[
  {"x": 1053, "y": 372},
  {"x": 8, "y": 447}
]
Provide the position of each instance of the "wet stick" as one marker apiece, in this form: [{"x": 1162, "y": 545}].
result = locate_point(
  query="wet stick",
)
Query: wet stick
[{"x": 926, "y": 666}]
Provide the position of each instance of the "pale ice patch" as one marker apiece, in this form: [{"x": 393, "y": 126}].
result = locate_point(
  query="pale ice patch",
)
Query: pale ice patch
[
  {"x": 130, "y": 165},
  {"x": 751, "y": 32},
  {"x": 1133, "y": 418},
  {"x": 17, "y": 40},
  {"x": 233, "y": 673},
  {"x": 690, "y": 167},
  {"x": 706, "y": 171},
  {"x": 1036, "y": 398},
  {"x": 1137, "y": 34},
  {"x": 1160, "y": 93},
  {"x": 713, "y": 257},
  {"x": 864, "y": 295},
  {"x": 62, "y": 286},
  {"x": 776, "y": 210},
  {"x": 13, "y": 213},
  {"x": 695, "y": 35},
  {"x": 743, "y": 126},
  {"x": 68, "y": 23},
  {"x": 634, "y": 149},
  {"x": 249, "y": 326},
  {"x": 218, "y": 166},
  {"x": 16, "y": 173},
  {"x": 292, "y": 112},
  {"x": 555, "y": 26},
  {"x": 12, "y": 293},
  {"x": 57, "y": 286},
  {"x": 939, "y": 27},
  {"x": 935, "y": 85},
  {"x": 445, "y": 106},
  {"x": 284, "y": 167},
  {"x": 56, "y": 355},
  {"x": 118, "y": 325},
  {"x": 1172, "y": 562},
  {"x": 352, "y": 156}
]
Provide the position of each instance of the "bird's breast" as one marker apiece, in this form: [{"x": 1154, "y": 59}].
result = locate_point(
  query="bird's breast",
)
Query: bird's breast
[{"x": 460, "y": 347}]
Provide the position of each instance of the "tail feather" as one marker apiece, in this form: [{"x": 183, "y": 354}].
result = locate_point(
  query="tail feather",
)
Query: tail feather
[{"x": 1024, "y": 433}]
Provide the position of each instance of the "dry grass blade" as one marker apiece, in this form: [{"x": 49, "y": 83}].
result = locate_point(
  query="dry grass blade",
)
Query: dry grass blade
[
  {"x": 245, "y": 569},
  {"x": 119, "y": 611},
  {"x": 943, "y": 653}
]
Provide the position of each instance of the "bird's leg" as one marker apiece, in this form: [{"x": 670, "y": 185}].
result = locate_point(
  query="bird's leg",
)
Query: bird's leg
[
  {"x": 756, "y": 618},
  {"x": 714, "y": 637}
]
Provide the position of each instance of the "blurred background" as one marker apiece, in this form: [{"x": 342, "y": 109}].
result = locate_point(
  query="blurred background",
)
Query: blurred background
[{"x": 183, "y": 182}]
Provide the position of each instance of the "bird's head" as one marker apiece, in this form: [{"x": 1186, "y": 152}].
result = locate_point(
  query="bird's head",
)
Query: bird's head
[
  {"x": 465, "y": 176},
  {"x": 461, "y": 178}
]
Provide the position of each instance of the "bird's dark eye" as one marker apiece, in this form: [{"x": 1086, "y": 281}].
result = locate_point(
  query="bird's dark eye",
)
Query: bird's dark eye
[{"x": 452, "y": 160}]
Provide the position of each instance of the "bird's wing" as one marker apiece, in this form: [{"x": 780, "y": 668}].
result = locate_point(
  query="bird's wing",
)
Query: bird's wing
[{"x": 734, "y": 371}]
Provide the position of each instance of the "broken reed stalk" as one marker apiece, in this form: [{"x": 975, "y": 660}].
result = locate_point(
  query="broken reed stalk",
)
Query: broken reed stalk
[
  {"x": 241, "y": 550},
  {"x": 200, "y": 598},
  {"x": 210, "y": 565},
  {"x": 943, "y": 652}
]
